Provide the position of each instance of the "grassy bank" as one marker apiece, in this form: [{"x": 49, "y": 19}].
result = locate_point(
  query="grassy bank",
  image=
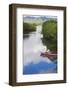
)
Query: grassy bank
[{"x": 28, "y": 27}]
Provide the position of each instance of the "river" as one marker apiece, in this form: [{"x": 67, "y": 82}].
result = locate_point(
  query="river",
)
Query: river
[{"x": 34, "y": 63}]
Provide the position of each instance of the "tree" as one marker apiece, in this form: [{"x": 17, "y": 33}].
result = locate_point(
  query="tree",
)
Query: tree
[
  {"x": 28, "y": 27},
  {"x": 49, "y": 32}
]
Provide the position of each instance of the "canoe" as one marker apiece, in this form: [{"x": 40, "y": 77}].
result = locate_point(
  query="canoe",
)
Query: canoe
[{"x": 49, "y": 54}]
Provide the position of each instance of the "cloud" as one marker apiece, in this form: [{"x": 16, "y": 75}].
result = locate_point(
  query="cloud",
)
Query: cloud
[{"x": 35, "y": 58}]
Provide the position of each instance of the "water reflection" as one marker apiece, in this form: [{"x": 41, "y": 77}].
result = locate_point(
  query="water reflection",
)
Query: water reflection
[{"x": 33, "y": 62}]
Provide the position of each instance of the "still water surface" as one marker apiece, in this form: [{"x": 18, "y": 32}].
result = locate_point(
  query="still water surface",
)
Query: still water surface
[{"x": 33, "y": 62}]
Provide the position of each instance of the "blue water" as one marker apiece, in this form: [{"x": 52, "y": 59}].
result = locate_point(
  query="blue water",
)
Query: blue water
[
  {"x": 40, "y": 68},
  {"x": 33, "y": 62}
]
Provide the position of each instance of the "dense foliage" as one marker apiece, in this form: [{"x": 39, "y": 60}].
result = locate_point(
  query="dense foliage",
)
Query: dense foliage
[
  {"x": 49, "y": 31},
  {"x": 28, "y": 27}
]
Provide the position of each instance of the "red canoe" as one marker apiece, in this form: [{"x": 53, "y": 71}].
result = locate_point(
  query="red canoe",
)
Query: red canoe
[{"x": 49, "y": 54}]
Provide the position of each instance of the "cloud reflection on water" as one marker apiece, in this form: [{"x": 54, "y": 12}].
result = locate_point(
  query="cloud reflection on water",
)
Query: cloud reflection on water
[{"x": 33, "y": 62}]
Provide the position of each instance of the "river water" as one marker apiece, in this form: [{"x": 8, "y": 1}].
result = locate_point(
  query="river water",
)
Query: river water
[{"x": 33, "y": 62}]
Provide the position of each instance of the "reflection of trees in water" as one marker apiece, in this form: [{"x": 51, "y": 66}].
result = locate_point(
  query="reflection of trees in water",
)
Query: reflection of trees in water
[
  {"x": 31, "y": 39},
  {"x": 49, "y": 31}
]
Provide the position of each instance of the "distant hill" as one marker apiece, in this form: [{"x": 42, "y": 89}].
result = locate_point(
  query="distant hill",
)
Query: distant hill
[{"x": 37, "y": 18}]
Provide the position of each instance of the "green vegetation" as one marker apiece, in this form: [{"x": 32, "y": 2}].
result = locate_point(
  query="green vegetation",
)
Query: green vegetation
[
  {"x": 49, "y": 32},
  {"x": 28, "y": 27}
]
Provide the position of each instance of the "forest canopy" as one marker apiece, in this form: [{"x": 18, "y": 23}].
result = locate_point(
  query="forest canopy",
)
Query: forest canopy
[
  {"x": 28, "y": 27},
  {"x": 49, "y": 31}
]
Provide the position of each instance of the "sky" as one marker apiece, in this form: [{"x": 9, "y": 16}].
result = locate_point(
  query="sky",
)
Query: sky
[{"x": 38, "y": 17}]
